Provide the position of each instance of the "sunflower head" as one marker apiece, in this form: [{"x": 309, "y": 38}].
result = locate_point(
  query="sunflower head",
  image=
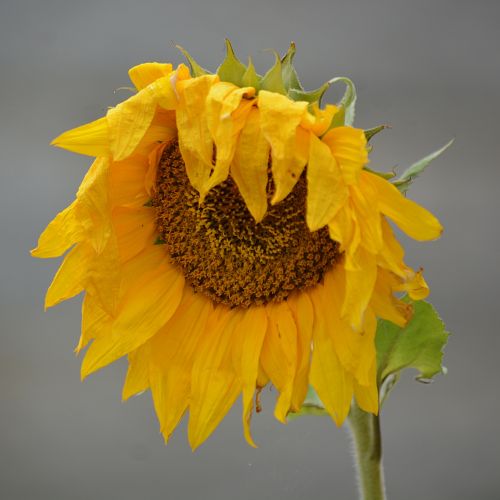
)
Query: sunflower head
[{"x": 229, "y": 235}]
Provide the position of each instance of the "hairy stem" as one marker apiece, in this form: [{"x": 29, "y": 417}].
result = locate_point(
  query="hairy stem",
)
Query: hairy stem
[{"x": 365, "y": 429}]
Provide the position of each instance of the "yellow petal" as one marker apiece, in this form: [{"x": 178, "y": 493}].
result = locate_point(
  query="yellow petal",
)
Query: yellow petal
[
  {"x": 348, "y": 145},
  {"x": 249, "y": 166},
  {"x": 142, "y": 313},
  {"x": 320, "y": 119},
  {"x": 174, "y": 348},
  {"x": 279, "y": 355},
  {"x": 367, "y": 396},
  {"x": 365, "y": 203},
  {"x": 214, "y": 386},
  {"x": 226, "y": 113},
  {"x": 195, "y": 141},
  {"x": 153, "y": 162},
  {"x": 344, "y": 229},
  {"x": 333, "y": 384},
  {"x": 326, "y": 191},
  {"x": 126, "y": 182},
  {"x": 280, "y": 119},
  {"x": 137, "y": 379},
  {"x": 71, "y": 276},
  {"x": 384, "y": 303},
  {"x": 303, "y": 313},
  {"x": 414, "y": 220},
  {"x": 416, "y": 286},
  {"x": 144, "y": 74},
  {"x": 96, "y": 323},
  {"x": 251, "y": 332},
  {"x": 129, "y": 120},
  {"x": 104, "y": 275},
  {"x": 64, "y": 231},
  {"x": 392, "y": 255},
  {"x": 135, "y": 229},
  {"x": 91, "y": 139},
  {"x": 361, "y": 273}
]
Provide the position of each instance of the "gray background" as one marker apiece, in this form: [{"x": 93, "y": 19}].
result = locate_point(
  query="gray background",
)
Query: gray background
[{"x": 429, "y": 68}]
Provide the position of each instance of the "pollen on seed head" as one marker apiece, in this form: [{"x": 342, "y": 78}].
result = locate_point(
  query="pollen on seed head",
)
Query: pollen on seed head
[{"x": 224, "y": 253}]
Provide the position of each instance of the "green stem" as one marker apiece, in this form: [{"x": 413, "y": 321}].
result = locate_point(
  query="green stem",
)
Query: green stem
[{"x": 368, "y": 442}]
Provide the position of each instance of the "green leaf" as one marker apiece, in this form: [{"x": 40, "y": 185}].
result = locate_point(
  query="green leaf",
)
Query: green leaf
[
  {"x": 250, "y": 77},
  {"x": 288, "y": 73},
  {"x": 196, "y": 69},
  {"x": 418, "y": 345},
  {"x": 232, "y": 69},
  {"x": 374, "y": 131},
  {"x": 272, "y": 80},
  {"x": 411, "y": 173},
  {"x": 345, "y": 116}
]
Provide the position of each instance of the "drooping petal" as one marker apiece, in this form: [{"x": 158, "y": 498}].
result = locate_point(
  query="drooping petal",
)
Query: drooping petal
[
  {"x": 361, "y": 273},
  {"x": 144, "y": 310},
  {"x": 246, "y": 353},
  {"x": 195, "y": 140},
  {"x": 71, "y": 276},
  {"x": 280, "y": 119},
  {"x": 96, "y": 323},
  {"x": 227, "y": 109},
  {"x": 414, "y": 220},
  {"x": 384, "y": 303},
  {"x": 279, "y": 355},
  {"x": 63, "y": 232},
  {"x": 173, "y": 352},
  {"x": 367, "y": 395},
  {"x": 129, "y": 121},
  {"x": 320, "y": 119},
  {"x": 137, "y": 379},
  {"x": 344, "y": 229},
  {"x": 326, "y": 191},
  {"x": 91, "y": 139},
  {"x": 144, "y": 74},
  {"x": 214, "y": 385},
  {"x": 333, "y": 384},
  {"x": 135, "y": 230},
  {"x": 303, "y": 313},
  {"x": 126, "y": 182},
  {"x": 348, "y": 145},
  {"x": 365, "y": 203},
  {"x": 415, "y": 285},
  {"x": 250, "y": 164}
]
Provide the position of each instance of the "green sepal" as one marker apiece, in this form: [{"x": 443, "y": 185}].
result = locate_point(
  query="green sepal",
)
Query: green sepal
[
  {"x": 384, "y": 175},
  {"x": 347, "y": 104},
  {"x": 149, "y": 203},
  {"x": 369, "y": 133},
  {"x": 418, "y": 345},
  {"x": 312, "y": 405},
  {"x": 159, "y": 241},
  {"x": 310, "y": 96},
  {"x": 288, "y": 72},
  {"x": 250, "y": 78},
  {"x": 411, "y": 173},
  {"x": 196, "y": 69},
  {"x": 232, "y": 69},
  {"x": 272, "y": 80}
]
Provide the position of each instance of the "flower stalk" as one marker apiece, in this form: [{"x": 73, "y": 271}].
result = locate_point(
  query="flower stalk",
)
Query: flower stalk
[{"x": 365, "y": 428}]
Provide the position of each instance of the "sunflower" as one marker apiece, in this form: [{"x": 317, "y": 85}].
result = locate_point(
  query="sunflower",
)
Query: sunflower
[{"x": 228, "y": 236}]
